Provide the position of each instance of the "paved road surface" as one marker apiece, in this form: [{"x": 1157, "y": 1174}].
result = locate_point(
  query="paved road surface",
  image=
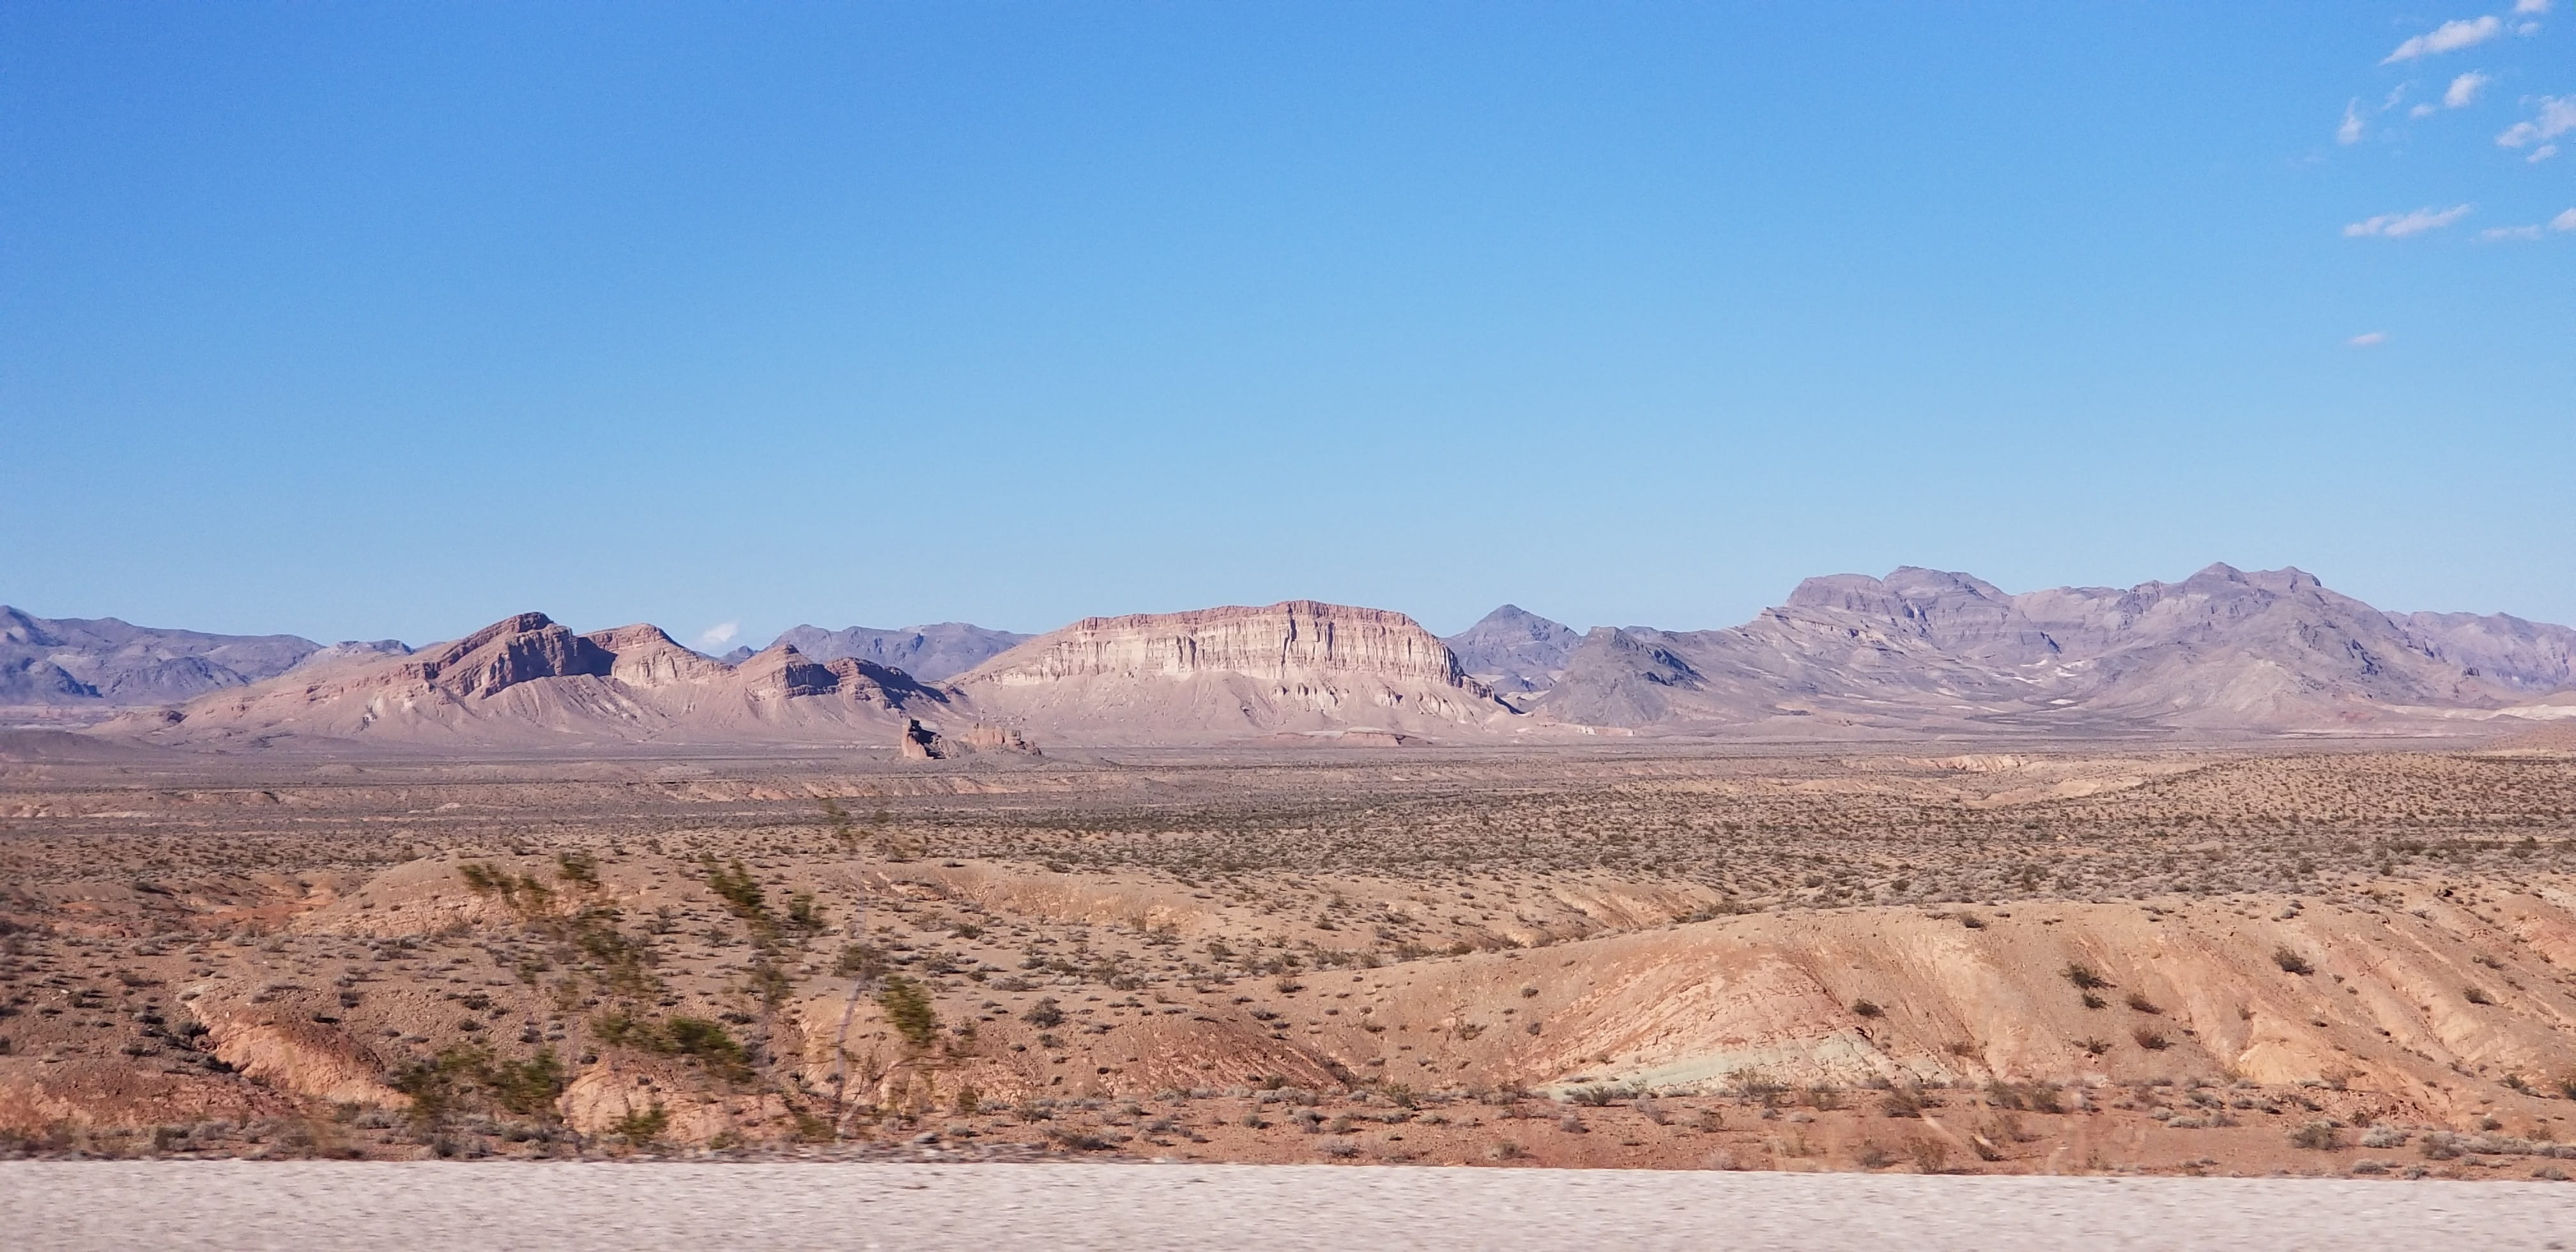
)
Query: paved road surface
[{"x": 46, "y": 1206}]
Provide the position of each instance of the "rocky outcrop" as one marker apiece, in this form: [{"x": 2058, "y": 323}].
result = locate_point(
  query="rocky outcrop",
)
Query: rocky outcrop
[
  {"x": 645, "y": 658},
  {"x": 921, "y": 743},
  {"x": 506, "y": 653},
  {"x": 984, "y": 738},
  {"x": 1217, "y": 674}
]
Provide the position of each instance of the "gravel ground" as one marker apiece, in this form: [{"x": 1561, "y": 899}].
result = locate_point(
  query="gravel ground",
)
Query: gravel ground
[{"x": 628, "y": 1207}]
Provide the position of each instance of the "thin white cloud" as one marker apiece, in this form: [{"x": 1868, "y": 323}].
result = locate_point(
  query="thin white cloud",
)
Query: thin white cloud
[
  {"x": 2400, "y": 225},
  {"x": 2530, "y": 6},
  {"x": 2565, "y": 221},
  {"x": 2368, "y": 339},
  {"x": 720, "y": 634},
  {"x": 2557, "y": 116},
  {"x": 2463, "y": 90},
  {"x": 2350, "y": 131},
  {"x": 2448, "y": 37},
  {"x": 2422, "y": 110}
]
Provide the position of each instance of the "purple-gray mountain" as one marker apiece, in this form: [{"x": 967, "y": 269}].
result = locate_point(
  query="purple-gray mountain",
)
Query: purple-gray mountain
[
  {"x": 74, "y": 662},
  {"x": 1925, "y": 650},
  {"x": 1515, "y": 651},
  {"x": 1919, "y": 652},
  {"x": 930, "y": 653}
]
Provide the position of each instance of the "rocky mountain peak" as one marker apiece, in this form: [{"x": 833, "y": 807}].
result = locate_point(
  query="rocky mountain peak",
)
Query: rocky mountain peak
[{"x": 1514, "y": 650}]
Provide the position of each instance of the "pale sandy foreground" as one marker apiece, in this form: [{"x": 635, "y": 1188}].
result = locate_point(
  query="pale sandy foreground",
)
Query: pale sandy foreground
[{"x": 385, "y": 1207}]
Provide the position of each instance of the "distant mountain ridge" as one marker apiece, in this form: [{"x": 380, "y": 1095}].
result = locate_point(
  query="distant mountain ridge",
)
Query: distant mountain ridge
[
  {"x": 103, "y": 662},
  {"x": 1917, "y": 653},
  {"x": 1922, "y": 649},
  {"x": 933, "y": 653}
]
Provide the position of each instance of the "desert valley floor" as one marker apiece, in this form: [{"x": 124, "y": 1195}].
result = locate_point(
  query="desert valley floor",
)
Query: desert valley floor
[{"x": 2317, "y": 959}]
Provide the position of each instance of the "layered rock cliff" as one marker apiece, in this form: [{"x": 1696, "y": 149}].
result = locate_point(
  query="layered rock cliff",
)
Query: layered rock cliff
[{"x": 1232, "y": 672}]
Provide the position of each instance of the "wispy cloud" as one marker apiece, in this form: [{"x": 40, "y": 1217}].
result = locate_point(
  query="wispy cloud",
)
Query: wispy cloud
[
  {"x": 720, "y": 634},
  {"x": 2400, "y": 225},
  {"x": 2530, "y": 6},
  {"x": 2368, "y": 339},
  {"x": 2557, "y": 116},
  {"x": 2564, "y": 222},
  {"x": 2463, "y": 91},
  {"x": 2350, "y": 131},
  {"x": 2448, "y": 37}
]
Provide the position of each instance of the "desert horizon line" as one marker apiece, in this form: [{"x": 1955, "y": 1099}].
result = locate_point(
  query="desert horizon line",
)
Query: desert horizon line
[{"x": 702, "y": 641}]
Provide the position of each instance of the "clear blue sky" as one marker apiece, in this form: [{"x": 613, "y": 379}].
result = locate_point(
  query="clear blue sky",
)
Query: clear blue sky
[{"x": 357, "y": 320}]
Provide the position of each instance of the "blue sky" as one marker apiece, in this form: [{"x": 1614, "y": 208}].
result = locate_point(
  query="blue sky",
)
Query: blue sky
[{"x": 386, "y": 320}]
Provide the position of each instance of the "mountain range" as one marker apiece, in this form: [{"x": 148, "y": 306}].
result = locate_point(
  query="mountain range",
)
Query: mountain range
[{"x": 1916, "y": 653}]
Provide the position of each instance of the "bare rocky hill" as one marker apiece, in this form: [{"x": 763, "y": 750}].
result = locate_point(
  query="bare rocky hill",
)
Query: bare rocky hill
[
  {"x": 526, "y": 680},
  {"x": 100, "y": 663},
  {"x": 1298, "y": 667},
  {"x": 933, "y": 653},
  {"x": 1514, "y": 650}
]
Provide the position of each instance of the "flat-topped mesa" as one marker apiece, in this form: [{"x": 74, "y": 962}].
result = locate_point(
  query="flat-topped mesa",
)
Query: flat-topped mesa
[
  {"x": 1214, "y": 675},
  {"x": 1278, "y": 641}
]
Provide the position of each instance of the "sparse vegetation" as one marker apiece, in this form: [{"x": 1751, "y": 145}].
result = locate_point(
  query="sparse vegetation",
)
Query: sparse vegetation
[
  {"x": 619, "y": 919},
  {"x": 908, "y": 1009}
]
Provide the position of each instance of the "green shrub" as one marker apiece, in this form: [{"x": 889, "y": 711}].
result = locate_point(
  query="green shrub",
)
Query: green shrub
[
  {"x": 579, "y": 868},
  {"x": 907, "y": 1008},
  {"x": 696, "y": 1039},
  {"x": 642, "y": 1128}
]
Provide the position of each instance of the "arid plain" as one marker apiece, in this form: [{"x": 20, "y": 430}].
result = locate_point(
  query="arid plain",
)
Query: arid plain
[{"x": 2314, "y": 958}]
